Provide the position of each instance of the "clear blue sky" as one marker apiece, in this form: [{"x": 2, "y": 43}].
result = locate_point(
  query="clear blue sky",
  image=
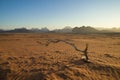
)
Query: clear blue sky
[{"x": 59, "y": 13}]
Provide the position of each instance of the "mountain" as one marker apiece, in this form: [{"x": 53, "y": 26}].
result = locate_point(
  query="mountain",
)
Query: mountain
[
  {"x": 16, "y": 30},
  {"x": 1, "y": 31},
  {"x": 36, "y": 30},
  {"x": 24, "y": 30},
  {"x": 44, "y": 29},
  {"x": 115, "y": 29},
  {"x": 21, "y": 30},
  {"x": 66, "y": 29},
  {"x": 85, "y": 30}
]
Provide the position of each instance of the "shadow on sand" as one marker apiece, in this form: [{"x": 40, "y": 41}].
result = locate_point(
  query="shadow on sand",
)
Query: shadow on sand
[{"x": 80, "y": 62}]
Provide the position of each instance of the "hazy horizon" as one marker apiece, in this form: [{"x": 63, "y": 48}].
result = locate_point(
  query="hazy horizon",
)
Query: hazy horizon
[{"x": 56, "y": 14}]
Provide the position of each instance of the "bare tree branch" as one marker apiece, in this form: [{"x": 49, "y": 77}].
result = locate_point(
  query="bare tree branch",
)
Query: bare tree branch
[
  {"x": 73, "y": 45},
  {"x": 85, "y": 51}
]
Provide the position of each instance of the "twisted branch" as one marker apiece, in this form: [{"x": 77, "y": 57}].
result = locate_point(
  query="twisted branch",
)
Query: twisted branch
[{"x": 85, "y": 51}]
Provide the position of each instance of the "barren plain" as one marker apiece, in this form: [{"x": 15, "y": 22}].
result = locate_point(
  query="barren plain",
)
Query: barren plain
[{"x": 28, "y": 57}]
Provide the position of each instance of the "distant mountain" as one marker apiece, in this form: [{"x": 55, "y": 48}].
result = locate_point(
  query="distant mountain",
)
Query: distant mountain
[
  {"x": 66, "y": 29},
  {"x": 85, "y": 30},
  {"x": 1, "y": 31},
  {"x": 24, "y": 30},
  {"x": 115, "y": 29},
  {"x": 44, "y": 29},
  {"x": 21, "y": 30},
  {"x": 36, "y": 30},
  {"x": 16, "y": 30}
]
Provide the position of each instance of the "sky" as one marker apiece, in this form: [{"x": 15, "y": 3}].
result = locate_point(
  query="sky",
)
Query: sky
[{"x": 59, "y": 13}]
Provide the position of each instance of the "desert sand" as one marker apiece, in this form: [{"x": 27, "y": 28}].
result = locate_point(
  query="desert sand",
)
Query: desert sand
[{"x": 26, "y": 57}]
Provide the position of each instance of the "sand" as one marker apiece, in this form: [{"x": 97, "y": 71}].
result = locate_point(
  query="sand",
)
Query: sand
[{"x": 27, "y": 57}]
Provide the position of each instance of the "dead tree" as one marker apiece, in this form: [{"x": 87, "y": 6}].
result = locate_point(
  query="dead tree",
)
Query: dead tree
[{"x": 85, "y": 51}]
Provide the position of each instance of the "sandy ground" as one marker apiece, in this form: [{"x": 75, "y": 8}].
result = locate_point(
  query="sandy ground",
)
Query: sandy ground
[{"x": 26, "y": 57}]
